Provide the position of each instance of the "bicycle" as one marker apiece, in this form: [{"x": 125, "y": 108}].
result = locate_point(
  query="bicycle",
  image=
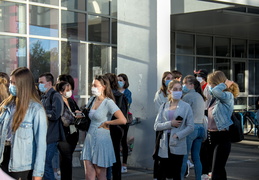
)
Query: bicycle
[{"x": 249, "y": 122}]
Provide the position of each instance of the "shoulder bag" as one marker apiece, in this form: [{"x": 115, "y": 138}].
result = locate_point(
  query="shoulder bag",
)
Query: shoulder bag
[{"x": 83, "y": 123}]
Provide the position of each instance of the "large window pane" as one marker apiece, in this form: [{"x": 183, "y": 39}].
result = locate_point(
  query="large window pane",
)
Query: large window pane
[
  {"x": 222, "y": 47},
  {"x": 12, "y": 53},
  {"x": 114, "y": 31},
  {"x": 73, "y": 62},
  {"x": 239, "y": 74},
  {"x": 114, "y": 60},
  {"x": 73, "y": 25},
  {"x": 114, "y": 8},
  {"x": 43, "y": 21},
  {"x": 52, "y": 2},
  {"x": 98, "y": 28},
  {"x": 223, "y": 65},
  {"x": 98, "y": 6},
  {"x": 12, "y": 17},
  {"x": 98, "y": 62},
  {"x": 253, "y": 78},
  {"x": 74, "y": 4},
  {"x": 204, "y": 63},
  {"x": 204, "y": 45},
  {"x": 184, "y": 44},
  {"x": 254, "y": 49},
  {"x": 44, "y": 57},
  {"x": 185, "y": 64},
  {"x": 239, "y": 48}
]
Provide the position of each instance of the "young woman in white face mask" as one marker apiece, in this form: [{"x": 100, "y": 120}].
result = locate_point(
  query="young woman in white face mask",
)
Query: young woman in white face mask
[
  {"x": 175, "y": 120},
  {"x": 66, "y": 148},
  {"x": 98, "y": 152}
]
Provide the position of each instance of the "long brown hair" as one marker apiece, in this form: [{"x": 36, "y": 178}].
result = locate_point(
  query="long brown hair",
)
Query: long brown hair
[
  {"x": 4, "y": 91},
  {"x": 105, "y": 82},
  {"x": 163, "y": 88},
  {"x": 26, "y": 91},
  {"x": 197, "y": 86},
  {"x": 218, "y": 77}
]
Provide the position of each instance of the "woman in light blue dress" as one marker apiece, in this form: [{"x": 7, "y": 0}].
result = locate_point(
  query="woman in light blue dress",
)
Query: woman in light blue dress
[{"x": 98, "y": 152}]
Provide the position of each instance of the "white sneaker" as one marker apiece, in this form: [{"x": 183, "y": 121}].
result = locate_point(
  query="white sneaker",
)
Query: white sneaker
[
  {"x": 124, "y": 169},
  {"x": 57, "y": 175},
  {"x": 191, "y": 165},
  {"x": 205, "y": 177}
]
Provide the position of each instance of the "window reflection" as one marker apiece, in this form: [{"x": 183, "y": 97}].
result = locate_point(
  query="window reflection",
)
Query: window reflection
[
  {"x": 98, "y": 6},
  {"x": 205, "y": 63},
  {"x": 73, "y": 62},
  {"x": 239, "y": 74},
  {"x": 114, "y": 31},
  {"x": 73, "y": 25},
  {"x": 114, "y": 8},
  {"x": 239, "y": 48},
  {"x": 44, "y": 57},
  {"x": 43, "y": 21},
  {"x": 204, "y": 45},
  {"x": 253, "y": 77},
  {"x": 98, "y": 62},
  {"x": 98, "y": 28},
  {"x": 185, "y": 44},
  {"x": 181, "y": 64},
  {"x": 52, "y": 2},
  {"x": 222, "y": 47},
  {"x": 12, "y": 53},
  {"x": 254, "y": 49},
  {"x": 74, "y": 4},
  {"x": 12, "y": 17},
  {"x": 223, "y": 65}
]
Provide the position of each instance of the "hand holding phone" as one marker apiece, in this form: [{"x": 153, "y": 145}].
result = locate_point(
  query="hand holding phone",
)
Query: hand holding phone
[{"x": 179, "y": 118}]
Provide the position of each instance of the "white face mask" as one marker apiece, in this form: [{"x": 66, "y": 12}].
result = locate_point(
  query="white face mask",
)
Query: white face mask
[
  {"x": 199, "y": 79},
  {"x": 95, "y": 91},
  {"x": 68, "y": 94}
]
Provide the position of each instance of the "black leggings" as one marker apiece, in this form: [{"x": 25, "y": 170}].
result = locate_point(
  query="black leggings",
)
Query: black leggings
[
  {"x": 124, "y": 143},
  {"x": 23, "y": 175},
  {"x": 116, "y": 135}
]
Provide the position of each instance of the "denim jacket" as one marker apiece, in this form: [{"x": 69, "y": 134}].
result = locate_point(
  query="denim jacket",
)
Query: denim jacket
[
  {"x": 177, "y": 145},
  {"x": 28, "y": 149},
  {"x": 223, "y": 108}
]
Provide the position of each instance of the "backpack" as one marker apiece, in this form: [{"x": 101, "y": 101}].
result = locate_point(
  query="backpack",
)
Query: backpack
[{"x": 122, "y": 103}]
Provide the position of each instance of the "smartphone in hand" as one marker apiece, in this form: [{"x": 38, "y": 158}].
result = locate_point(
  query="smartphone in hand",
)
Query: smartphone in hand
[{"x": 179, "y": 118}]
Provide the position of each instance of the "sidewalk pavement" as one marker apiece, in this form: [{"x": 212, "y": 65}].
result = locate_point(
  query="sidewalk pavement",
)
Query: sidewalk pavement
[{"x": 243, "y": 164}]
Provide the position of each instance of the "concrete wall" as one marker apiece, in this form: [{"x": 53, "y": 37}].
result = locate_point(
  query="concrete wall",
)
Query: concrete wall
[{"x": 143, "y": 54}]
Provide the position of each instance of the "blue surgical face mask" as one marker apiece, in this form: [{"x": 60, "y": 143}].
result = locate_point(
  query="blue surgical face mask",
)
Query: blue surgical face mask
[
  {"x": 167, "y": 82},
  {"x": 12, "y": 90},
  {"x": 121, "y": 84},
  {"x": 177, "y": 94},
  {"x": 185, "y": 89},
  {"x": 210, "y": 90},
  {"x": 42, "y": 88}
]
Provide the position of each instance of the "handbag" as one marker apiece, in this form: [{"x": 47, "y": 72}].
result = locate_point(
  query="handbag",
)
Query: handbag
[
  {"x": 205, "y": 125},
  {"x": 83, "y": 123},
  {"x": 67, "y": 117},
  {"x": 235, "y": 130}
]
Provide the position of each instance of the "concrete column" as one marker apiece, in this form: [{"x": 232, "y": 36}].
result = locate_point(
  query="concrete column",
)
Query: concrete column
[{"x": 143, "y": 54}]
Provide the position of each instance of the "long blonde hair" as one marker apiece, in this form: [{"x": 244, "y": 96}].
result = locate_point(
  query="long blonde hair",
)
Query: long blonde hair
[
  {"x": 4, "y": 91},
  {"x": 218, "y": 77},
  {"x": 26, "y": 91}
]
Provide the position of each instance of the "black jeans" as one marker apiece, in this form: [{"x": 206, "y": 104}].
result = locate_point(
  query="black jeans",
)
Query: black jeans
[
  {"x": 116, "y": 135},
  {"x": 124, "y": 143},
  {"x": 219, "y": 147},
  {"x": 66, "y": 149},
  {"x": 23, "y": 175}
]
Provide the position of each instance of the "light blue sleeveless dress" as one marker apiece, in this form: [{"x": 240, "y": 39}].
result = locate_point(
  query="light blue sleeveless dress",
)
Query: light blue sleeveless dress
[{"x": 98, "y": 147}]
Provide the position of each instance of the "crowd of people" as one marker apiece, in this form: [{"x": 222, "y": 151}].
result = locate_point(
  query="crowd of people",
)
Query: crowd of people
[
  {"x": 37, "y": 121},
  {"x": 37, "y": 126},
  {"x": 193, "y": 117}
]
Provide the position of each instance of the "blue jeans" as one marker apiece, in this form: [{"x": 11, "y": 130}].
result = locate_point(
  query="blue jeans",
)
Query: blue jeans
[
  {"x": 194, "y": 141},
  {"x": 51, "y": 150}
]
